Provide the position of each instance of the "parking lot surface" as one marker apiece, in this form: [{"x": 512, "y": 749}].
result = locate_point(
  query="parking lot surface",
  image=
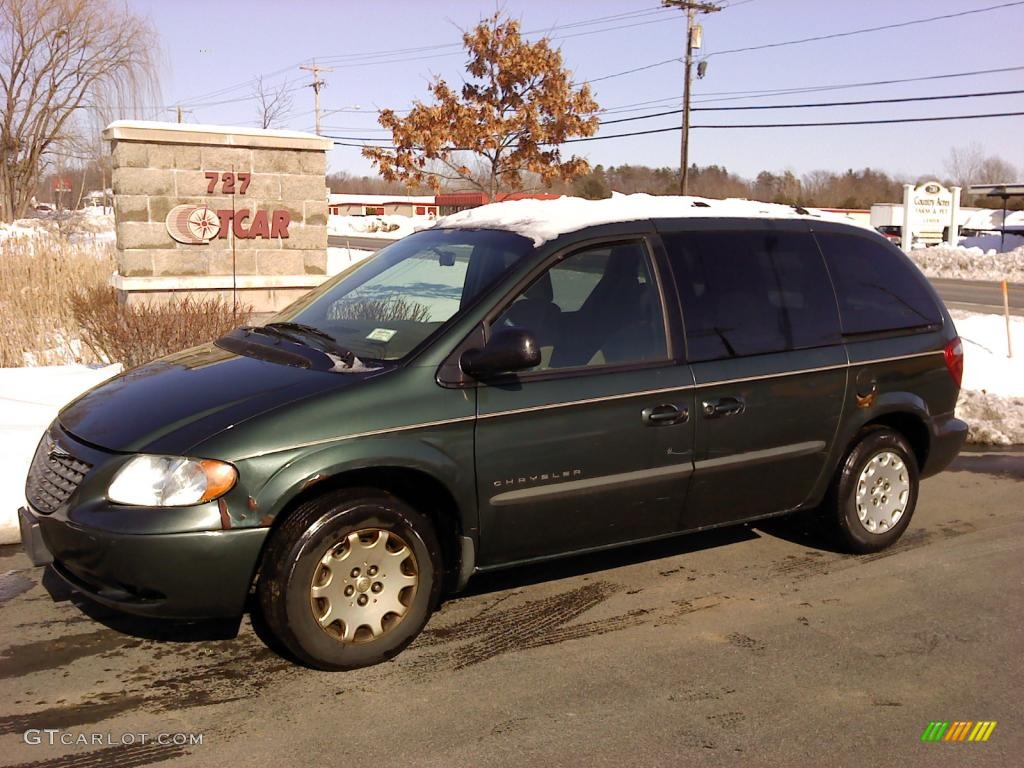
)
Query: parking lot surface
[{"x": 750, "y": 644}]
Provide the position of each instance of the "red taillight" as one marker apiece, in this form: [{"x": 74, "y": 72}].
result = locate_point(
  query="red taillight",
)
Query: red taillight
[{"x": 954, "y": 356}]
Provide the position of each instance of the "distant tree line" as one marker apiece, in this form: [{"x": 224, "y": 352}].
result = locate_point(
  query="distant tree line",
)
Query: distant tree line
[{"x": 821, "y": 188}]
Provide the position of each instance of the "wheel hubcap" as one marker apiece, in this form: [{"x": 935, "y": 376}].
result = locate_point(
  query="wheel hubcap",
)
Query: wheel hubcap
[
  {"x": 363, "y": 586},
  {"x": 882, "y": 492}
]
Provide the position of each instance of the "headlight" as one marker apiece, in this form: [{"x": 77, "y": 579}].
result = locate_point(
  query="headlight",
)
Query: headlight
[{"x": 171, "y": 481}]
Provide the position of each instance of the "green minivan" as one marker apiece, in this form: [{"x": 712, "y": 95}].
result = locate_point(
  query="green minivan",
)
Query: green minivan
[{"x": 522, "y": 381}]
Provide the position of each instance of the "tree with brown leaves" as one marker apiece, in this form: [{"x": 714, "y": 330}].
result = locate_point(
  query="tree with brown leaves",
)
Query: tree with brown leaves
[
  {"x": 505, "y": 124},
  {"x": 64, "y": 64}
]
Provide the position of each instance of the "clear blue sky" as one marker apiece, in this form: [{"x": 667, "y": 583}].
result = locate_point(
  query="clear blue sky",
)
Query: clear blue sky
[{"x": 245, "y": 39}]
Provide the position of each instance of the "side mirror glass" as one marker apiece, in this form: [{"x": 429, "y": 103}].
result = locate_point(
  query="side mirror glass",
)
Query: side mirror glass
[{"x": 507, "y": 351}]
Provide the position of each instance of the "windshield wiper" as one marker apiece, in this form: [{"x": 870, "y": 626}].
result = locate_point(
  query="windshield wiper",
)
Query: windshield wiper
[{"x": 301, "y": 332}]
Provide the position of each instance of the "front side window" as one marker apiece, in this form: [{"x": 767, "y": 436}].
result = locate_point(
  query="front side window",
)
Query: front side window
[
  {"x": 598, "y": 306},
  {"x": 751, "y": 293},
  {"x": 385, "y": 308},
  {"x": 877, "y": 289}
]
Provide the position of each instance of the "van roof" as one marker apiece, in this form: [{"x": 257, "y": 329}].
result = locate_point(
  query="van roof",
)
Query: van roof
[{"x": 544, "y": 220}]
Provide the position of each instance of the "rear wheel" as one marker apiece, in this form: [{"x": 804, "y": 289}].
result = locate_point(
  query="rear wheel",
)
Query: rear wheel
[
  {"x": 350, "y": 578},
  {"x": 874, "y": 493}
]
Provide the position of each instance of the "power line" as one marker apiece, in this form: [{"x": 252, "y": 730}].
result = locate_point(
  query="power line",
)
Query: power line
[
  {"x": 349, "y": 141},
  {"x": 865, "y": 30},
  {"x": 814, "y": 105},
  {"x": 883, "y": 121}
]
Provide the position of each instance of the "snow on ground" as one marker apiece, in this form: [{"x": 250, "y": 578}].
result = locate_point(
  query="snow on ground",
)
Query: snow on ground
[
  {"x": 390, "y": 227},
  {"x": 970, "y": 263},
  {"x": 343, "y": 258},
  {"x": 86, "y": 226},
  {"x": 992, "y": 398},
  {"x": 29, "y": 401}
]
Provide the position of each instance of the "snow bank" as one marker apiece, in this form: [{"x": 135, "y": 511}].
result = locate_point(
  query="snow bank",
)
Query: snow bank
[
  {"x": 992, "y": 398},
  {"x": 29, "y": 401},
  {"x": 390, "y": 227},
  {"x": 343, "y": 258},
  {"x": 90, "y": 225},
  {"x": 970, "y": 263},
  {"x": 544, "y": 220}
]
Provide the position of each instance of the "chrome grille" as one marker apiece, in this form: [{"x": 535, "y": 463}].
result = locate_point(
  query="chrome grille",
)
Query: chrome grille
[{"x": 53, "y": 476}]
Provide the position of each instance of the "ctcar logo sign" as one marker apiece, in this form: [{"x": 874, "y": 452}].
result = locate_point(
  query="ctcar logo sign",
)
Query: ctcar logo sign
[
  {"x": 192, "y": 224},
  {"x": 199, "y": 224}
]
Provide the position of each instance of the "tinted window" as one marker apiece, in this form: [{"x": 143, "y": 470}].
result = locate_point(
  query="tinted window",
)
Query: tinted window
[
  {"x": 750, "y": 293},
  {"x": 599, "y": 306},
  {"x": 878, "y": 290}
]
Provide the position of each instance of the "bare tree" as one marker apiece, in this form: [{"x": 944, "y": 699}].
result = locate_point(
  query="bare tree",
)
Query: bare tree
[
  {"x": 273, "y": 104},
  {"x": 964, "y": 163},
  {"x": 59, "y": 60},
  {"x": 995, "y": 170}
]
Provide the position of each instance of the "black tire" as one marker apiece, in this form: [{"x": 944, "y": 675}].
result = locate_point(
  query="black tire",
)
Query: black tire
[
  {"x": 292, "y": 559},
  {"x": 839, "y": 511}
]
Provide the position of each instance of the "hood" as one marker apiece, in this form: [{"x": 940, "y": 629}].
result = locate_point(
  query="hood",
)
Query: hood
[{"x": 174, "y": 403}]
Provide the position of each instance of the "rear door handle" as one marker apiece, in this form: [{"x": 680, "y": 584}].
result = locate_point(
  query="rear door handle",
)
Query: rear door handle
[
  {"x": 663, "y": 415},
  {"x": 723, "y": 406}
]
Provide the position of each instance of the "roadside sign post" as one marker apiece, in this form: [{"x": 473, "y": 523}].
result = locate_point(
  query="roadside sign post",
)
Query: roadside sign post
[
  {"x": 906, "y": 237},
  {"x": 1006, "y": 314}
]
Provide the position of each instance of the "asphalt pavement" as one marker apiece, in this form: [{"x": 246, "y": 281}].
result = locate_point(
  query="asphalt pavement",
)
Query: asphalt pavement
[
  {"x": 979, "y": 295},
  {"x": 749, "y": 644}
]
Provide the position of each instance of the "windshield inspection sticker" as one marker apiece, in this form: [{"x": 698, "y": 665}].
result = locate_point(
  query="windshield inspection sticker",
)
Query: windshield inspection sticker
[{"x": 381, "y": 334}]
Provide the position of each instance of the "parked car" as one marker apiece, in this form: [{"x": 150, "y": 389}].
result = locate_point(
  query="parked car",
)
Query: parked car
[
  {"x": 891, "y": 233},
  {"x": 521, "y": 382}
]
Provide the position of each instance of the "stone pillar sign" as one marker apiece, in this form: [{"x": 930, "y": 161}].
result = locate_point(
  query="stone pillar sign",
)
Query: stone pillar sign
[{"x": 212, "y": 210}]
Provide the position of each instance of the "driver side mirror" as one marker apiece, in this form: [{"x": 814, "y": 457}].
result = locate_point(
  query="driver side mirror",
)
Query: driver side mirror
[{"x": 507, "y": 351}]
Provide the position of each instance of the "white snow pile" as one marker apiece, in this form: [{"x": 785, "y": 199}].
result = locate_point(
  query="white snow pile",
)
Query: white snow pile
[
  {"x": 29, "y": 401},
  {"x": 970, "y": 263},
  {"x": 343, "y": 258},
  {"x": 90, "y": 225},
  {"x": 544, "y": 220},
  {"x": 390, "y": 227},
  {"x": 992, "y": 397}
]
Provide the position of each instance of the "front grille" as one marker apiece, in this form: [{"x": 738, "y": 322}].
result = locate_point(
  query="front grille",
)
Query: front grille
[{"x": 53, "y": 476}]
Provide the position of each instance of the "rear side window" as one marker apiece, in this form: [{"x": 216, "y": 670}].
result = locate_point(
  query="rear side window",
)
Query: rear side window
[
  {"x": 877, "y": 290},
  {"x": 751, "y": 293}
]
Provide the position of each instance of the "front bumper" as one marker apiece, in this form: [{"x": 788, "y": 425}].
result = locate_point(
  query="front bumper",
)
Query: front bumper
[
  {"x": 191, "y": 575},
  {"x": 948, "y": 437}
]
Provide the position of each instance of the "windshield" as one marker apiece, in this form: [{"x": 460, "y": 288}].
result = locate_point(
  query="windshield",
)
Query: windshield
[{"x": 385, "y": 308}]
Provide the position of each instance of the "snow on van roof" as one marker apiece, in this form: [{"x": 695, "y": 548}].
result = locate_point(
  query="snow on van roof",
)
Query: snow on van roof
[{"x": 544, "y": 220}]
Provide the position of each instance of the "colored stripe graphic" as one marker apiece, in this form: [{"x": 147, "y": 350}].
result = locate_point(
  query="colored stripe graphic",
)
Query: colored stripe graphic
[
  {"x": 982, "y": 730},
  {"x": 958, "y": 730}
]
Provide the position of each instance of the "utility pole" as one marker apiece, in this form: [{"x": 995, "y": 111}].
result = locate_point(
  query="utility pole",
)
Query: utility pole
[
  {"x": 316, "y": 85},
  {"x": 182, "y": 112},
  {"x": 692, "y": 8}
]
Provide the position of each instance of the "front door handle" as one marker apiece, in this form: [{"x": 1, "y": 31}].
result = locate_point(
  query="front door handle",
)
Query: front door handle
[
  {"x": 723, "y": 406},
  {"x": 663, "y": 415}
]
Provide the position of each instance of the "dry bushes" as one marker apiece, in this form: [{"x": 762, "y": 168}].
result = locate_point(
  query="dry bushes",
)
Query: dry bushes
[
  {"x": 56, "y": 307},
  {"x": 38, "y": 276},
  {"x": 136, "y": 334}
]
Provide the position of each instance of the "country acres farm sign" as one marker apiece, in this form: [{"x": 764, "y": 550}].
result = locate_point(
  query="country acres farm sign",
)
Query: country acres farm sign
[
  {"x": 193, "y": 224},
  {"x": 930, "y": 213}
]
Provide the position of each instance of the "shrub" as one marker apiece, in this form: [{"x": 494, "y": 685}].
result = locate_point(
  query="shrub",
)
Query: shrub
[
  {"x": 135, "y": 334},
  {"x": 38, "y": 275}
]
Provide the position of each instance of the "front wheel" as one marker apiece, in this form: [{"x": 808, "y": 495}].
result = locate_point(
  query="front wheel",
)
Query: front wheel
[
  {"x": 874, "y": 493},
  {"x": 350, "y": 578}
]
